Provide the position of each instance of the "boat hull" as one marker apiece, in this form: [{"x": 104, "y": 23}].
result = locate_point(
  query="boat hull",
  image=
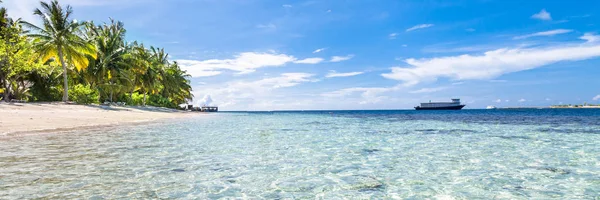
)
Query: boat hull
[{"x": 441, "y": 108}]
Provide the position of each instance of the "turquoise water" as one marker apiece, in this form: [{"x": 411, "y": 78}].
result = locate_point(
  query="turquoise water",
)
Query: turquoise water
[{"x": 469, "y": 154}]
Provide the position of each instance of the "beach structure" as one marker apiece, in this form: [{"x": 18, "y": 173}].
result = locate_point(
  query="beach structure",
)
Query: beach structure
[
  {"x": 454, "y": 105},
  {"x": 209, "y": 109}
]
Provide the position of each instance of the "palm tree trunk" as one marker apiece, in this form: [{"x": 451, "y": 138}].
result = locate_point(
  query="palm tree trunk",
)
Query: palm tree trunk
[
  {"x": 144, "y": 102},
  {"x": 6, "y": 90},
  {"x": 22, "y": 89},
  {"x": 65, "y": 79},
  {"x": 5, "y": 78},
  {"x": 132, "y": 89},
  {"x": 111, "y": 91}
]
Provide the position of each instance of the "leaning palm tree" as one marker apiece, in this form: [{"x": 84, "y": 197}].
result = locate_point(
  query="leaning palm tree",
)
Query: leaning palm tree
[
  {"x": 176, "y": 84},
  {"x": 61, "y": 38}
]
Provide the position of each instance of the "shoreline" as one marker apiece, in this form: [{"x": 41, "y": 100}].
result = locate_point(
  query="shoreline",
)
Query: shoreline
[
  {"x": 76, "y": 128},
  {"x": 23, "y": 119}
]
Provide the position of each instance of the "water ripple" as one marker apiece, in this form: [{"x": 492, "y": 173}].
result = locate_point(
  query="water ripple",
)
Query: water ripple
[{"x": 352, "y": 155}]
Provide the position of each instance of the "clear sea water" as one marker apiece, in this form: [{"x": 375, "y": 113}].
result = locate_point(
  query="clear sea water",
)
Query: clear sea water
[{"x": 468, "y": 154}]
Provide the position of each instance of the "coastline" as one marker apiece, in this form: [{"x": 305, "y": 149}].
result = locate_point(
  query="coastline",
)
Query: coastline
[
  {"x": 19, "y": 119},
  {"x": 553, "y": 107}
]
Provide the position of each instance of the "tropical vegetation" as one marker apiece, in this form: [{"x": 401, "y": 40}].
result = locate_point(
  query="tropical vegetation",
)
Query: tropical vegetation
[{"x": 64, "y": 59}]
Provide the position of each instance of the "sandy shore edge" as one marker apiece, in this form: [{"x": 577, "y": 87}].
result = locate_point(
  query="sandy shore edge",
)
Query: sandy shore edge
[{"x": 23, "y": 119}]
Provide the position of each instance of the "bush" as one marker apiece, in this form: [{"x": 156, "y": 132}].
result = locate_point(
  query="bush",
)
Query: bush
[
  {"x": 135, "y": 100},
  {"x": 46, "y": 94},
  {"x": 83, "y": 94},
  {"x": 160, "y": 101}
]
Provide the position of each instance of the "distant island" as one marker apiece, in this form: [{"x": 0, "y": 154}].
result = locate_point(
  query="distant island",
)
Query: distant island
[{"x": 584, "y": 105}]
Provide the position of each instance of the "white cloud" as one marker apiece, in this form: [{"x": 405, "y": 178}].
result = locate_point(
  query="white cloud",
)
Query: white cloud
[
  {"x": 393, "y": 36},
  {"x": 507, "y": 100},
  {"x": 420, "y": 26},
  {"x": 544, "y": 33},
  {"x": 522, "y": 100},
  {"x": 370, "y": 95},
  {"x": 450, "y": 48},
  {"x": 319, "y": 50},
  {"x": 309, "y": 61},
  {"x": 328, "y": 11},
  {"x": 333, "y": 74},
  {"x": 596, "y": 98},
  {"x": 489, "y": 65},
  {"x": 590, "y": 37},
  {"x": 542, "y": 15},
  {"x": 206, "y": 101},
  {"x": 428, "y": 90},
  {"x": 349, "y": 91},
  {"x": 287, "y": 5},
  {"x": 498, "y": 100},
  {"x": 269, "y": 26},
  {"x": 404, "y": 45},
  {"x": 548, "y": 99},
  {"x": 498, "y": 81},
  {"x": 341, "y": 58},
  {"x": 253, "y": 94},
  {"x": 243, "y": 63},
  {"x": 201, "y": 73},
  {"x": 283, "y": 81}
]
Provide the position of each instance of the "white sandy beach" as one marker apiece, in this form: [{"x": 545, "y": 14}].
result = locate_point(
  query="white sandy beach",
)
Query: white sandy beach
[{"x": 47, "y": 117}]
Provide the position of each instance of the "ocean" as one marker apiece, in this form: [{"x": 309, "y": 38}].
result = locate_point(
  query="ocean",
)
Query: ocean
[{"x": 467, "y": 154}]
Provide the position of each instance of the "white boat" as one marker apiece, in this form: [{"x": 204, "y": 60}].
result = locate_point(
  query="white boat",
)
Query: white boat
[{"x": 490, "y": 107}]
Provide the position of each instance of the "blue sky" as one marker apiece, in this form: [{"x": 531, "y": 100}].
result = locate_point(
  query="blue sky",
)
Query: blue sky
[{"x": 380, "y": 54}]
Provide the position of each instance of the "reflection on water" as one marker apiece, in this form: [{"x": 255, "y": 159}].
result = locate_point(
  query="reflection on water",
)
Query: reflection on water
[{"x": 511, "y": 155}]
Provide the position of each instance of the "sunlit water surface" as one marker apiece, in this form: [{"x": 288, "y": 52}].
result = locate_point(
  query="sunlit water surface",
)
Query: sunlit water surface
[{"x": 469, "y": 154}]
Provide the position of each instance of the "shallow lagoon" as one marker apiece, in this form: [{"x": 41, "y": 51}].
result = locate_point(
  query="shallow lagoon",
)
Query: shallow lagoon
[{"x": 504, "y": 154}]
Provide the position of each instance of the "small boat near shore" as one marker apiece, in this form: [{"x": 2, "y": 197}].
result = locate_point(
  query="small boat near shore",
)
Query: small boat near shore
[
  {"x": 454, "y": 105},
  {"x": 491, "y": 107}
]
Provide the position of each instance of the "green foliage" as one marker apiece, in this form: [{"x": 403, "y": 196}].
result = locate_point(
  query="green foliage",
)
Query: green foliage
[
  {"x": 160, "y": 101},
  {"x": 46, "y": 83},
  {"x": 45, "y": 94},
  {"x": 83, "y": 94},
  {"x": 96, "y": 61},
  {"x": 136, "y": 99},
  {"x": 60, "y": 38},
  {"x": 15, "y": 58}
]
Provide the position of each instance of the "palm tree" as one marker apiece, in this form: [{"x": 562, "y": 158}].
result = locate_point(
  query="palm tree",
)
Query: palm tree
[
  {"x": 61, "y": 38},
  {"x": 176, "y": 84},
  {"x": 136, "y": 57},
  {"x": 151, "y": 74},
  {"x": 143, "y": 69},
  {"x": 109, "y": 64}
]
